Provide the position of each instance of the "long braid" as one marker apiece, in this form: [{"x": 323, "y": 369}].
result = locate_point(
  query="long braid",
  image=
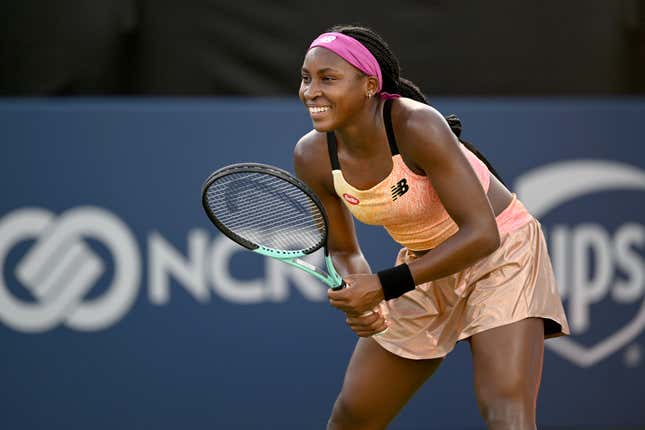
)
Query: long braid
[{"x": 395, "y": 84}]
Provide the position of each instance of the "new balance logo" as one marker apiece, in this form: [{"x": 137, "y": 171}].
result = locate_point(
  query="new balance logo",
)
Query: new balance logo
[{"x": 399, "y": 189}]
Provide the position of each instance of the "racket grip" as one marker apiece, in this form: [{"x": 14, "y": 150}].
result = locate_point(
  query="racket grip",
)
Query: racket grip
[{"x": 341, "y": 286}]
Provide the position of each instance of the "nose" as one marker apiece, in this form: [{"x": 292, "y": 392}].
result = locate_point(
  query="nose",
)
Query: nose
[{"x": 311, "y": 90}]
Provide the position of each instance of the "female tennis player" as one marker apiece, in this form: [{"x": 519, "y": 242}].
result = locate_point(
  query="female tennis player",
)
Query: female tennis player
[{"x": 474, "y": 264}]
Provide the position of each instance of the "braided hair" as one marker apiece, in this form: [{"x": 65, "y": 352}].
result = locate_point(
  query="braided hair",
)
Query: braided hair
[{"x": 393, "y": 82}]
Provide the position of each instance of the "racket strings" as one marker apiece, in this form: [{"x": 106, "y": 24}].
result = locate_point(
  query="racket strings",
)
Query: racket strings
[
  {"x": 263, "y": 227},
  {"x": 260, "y": 215},
  {"x": 267, "y": 210}
]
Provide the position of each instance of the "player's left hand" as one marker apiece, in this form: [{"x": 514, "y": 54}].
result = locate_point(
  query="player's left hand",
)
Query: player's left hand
[
  {"x": 368, "y": 324},
  {"x": 363, "y": 293}
]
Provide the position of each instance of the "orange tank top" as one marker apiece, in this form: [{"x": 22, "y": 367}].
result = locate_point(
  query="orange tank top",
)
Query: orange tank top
[{"x": 405, "y": 203}]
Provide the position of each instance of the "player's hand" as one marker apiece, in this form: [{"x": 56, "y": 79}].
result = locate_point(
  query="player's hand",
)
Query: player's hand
[
  {"x": 363, "y": 293},
  {"x": 368, "y": 324}
]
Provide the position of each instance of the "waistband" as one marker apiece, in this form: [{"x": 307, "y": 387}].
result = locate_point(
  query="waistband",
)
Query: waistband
[{"x": 514, "y": 216}]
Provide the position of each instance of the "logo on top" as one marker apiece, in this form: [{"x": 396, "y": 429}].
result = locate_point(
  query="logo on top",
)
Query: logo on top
[
  {"x": 327, "y": 39},
  {"x": 399, "y": 189},
  {"x": 351, "y": 199},
  {"x": 546, "y": 188}
]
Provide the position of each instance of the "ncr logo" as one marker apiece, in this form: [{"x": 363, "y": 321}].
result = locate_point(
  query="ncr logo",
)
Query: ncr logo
[{"x": 399, "y": 189}]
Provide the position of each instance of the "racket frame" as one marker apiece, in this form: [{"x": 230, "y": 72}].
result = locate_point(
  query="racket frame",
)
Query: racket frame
[{"x": 293, "y": 258}]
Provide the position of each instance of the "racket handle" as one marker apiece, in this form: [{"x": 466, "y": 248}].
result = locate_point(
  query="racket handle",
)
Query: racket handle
[{"x": 341, "y": 286}]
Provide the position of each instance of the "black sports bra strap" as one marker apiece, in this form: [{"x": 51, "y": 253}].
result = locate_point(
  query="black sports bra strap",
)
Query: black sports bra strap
[
  {"x": 331, "y": 148},
  {"x": 387, "y": 119}
]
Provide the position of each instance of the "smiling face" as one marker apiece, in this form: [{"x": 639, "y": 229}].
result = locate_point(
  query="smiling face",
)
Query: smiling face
[{"x": 333, "y": 90}]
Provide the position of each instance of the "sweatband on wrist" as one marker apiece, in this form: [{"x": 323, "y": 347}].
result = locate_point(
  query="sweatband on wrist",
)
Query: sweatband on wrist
[{"x": 396, "y": 281}]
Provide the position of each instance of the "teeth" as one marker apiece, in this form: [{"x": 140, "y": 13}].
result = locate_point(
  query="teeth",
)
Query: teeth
[{"x": 315, "y": 109}]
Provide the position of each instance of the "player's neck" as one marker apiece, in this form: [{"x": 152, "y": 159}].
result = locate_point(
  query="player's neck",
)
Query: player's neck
[{"x": 360, "y": 136}]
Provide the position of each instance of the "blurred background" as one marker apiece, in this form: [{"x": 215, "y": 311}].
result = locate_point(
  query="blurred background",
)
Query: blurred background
[
  {"x": 122, "y": 307},
  {"x": 255, "y": 47}
]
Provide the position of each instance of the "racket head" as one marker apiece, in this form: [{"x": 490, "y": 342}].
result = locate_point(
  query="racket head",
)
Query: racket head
[{"x": 263, "y": 206}]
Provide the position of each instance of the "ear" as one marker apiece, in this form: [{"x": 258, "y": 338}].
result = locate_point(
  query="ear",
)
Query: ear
[{"x": 371, "y": 87}]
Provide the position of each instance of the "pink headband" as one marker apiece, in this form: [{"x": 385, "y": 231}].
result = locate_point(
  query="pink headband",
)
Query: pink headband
[{"x": 352, "y": 51}]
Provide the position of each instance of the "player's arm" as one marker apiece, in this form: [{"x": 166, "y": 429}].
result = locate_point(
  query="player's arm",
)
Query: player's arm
[
  {"x": 427, "y": 139},
  {"x": 311, "y": 164}
]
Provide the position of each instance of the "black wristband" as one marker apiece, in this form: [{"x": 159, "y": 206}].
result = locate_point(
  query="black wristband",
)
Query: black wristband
[{"x": 396, "y": 281}]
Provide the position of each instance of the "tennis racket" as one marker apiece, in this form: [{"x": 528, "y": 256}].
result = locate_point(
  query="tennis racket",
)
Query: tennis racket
[{"x": 269, "y": 211}]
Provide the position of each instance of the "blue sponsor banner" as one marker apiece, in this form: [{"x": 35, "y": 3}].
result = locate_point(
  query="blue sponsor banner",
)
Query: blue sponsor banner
[{"x": 122, "y": 307}]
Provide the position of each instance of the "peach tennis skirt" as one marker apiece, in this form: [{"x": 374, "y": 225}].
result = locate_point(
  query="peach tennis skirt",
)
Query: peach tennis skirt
[{"x": 513, "y": 283}]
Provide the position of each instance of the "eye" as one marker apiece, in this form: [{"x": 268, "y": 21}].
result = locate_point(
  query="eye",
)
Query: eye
[
  {"x": 305, "y": 78},
  {"x": 329, "y": 78}
]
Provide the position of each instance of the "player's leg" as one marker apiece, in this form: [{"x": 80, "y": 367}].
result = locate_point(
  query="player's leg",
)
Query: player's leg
[
  {"x": 377, "y": 385},
  {"x": 507, "y": 364}
]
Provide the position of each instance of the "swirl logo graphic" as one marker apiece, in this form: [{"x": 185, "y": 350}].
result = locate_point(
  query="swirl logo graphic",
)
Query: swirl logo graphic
[
  {"x": 60, "y": 269},
  {"x": 543, "y": 190}
]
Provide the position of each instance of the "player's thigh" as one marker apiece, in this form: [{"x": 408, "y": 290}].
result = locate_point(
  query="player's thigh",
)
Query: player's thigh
[
  {"x": 507, "y": 360},
  {"x": 379, "y": 383}
]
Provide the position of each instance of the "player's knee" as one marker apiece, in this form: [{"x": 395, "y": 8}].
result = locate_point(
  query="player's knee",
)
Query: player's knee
[
  {"x": 507, "y": 403},
  {"x": 510, "y": 411},
  {"x": 506, "y": 387},
  {"x": 349, "y": 414}
]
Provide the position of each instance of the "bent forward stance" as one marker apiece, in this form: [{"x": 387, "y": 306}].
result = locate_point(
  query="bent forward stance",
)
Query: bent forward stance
[{"x": 473, "y": 264}]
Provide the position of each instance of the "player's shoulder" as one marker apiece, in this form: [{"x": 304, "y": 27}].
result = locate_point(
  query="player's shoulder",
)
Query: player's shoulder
[
  {"x": 311, "y": 161},
  {"x": 419, "y": 125},
  {"x": 413, "y": 116},
  {"x": 311, "y": 149}
]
